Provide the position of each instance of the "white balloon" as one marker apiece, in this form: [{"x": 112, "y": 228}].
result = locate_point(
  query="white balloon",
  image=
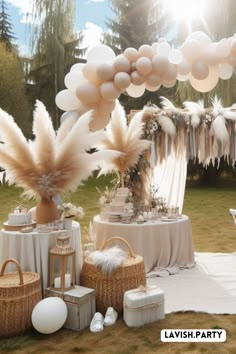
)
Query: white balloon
[
  {"x": 100, "y": 53},
  {"x": 67, "y": 100},
  {"x": 67, "y": 115},
  {"x": 184, "y": 67},
  {"x": 49, "y": 315},
  {"x": 73, "y": 79},
  {"x": 135, "y": 91},
  {"x": 191, "y": 50},
  {"x": 144, "y": 65},
  {"x": 77, "y": 67},
  {"x": 207, "y": 84},
  {"x": 175, "y": 56},
  {"x": 163, "y": 48},
  {"x": 182, "y": 77},
  {"x": 225, "y": 71},
  {"x": 223, "y": 48},
  {"x": 201, "y": 37}
]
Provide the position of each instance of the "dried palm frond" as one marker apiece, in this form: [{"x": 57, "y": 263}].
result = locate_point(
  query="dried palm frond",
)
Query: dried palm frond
[
  {"x": 52, "y": 163},
  {"x": 125, "y": 138}
]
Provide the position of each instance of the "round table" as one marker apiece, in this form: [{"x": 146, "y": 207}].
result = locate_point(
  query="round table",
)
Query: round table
[
  {"x": 162, "y": 243},
  {"x": 31, "y": 250}
]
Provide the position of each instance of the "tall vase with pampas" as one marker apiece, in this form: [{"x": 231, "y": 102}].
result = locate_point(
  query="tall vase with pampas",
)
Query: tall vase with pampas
[{"x": 53, "y": 163}]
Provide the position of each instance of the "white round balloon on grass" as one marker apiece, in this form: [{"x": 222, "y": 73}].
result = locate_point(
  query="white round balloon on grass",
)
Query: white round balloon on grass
[{"x": 49, "y": 315}]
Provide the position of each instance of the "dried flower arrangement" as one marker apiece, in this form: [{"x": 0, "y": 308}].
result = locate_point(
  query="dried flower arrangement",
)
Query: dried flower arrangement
[
  {"x": 54, "y": 162},
  {"x": 120, "y": 136}
]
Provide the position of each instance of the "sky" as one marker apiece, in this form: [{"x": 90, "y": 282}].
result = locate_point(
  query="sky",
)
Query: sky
[{"x": 90, "y": 17}]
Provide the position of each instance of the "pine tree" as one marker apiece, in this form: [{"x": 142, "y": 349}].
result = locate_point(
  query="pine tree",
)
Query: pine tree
[
  {"x": 135, "y": 22},
  {"x": 6, "y": 33}
]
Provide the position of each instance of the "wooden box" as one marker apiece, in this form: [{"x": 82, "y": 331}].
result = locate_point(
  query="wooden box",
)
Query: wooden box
[
  {"x": 80, "y": 303},
  {"x": 143, "y": 306}
]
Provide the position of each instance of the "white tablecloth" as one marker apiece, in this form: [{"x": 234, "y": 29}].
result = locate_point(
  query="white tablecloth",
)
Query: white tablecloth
[
  {"x": 32, "y": 250},
  {"x": 165, "y": 245}
]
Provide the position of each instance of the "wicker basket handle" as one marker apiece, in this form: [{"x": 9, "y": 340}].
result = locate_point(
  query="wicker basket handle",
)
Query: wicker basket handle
[
  {"x": 131, "y": 253},
  {"x": 17, "y": 266}
]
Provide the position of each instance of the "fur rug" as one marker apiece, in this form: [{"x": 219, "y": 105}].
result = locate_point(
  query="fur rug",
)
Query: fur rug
[{"x": 109, "y": 259}]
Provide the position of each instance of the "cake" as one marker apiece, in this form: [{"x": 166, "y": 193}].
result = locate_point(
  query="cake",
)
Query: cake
[
  {"x": 118, "y": 203},
  {"x": 19, "y": 218}
]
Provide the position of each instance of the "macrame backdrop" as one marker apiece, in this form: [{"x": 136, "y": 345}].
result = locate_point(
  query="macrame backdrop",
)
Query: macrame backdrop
[{"x": 179, "y": 135}]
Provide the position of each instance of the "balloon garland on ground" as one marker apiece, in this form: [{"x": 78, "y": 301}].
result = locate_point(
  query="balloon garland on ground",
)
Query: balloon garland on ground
[{"x": 98, "y": 83}]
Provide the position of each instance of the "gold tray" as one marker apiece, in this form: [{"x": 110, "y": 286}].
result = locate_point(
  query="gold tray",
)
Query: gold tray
[{"x": 17, "y": 227}]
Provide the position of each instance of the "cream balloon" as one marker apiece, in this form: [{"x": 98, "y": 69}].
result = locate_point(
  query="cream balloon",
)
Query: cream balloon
[
  {"x": 122, "y": 63},
  {"x": 100, "y": 53},
  {"x": 207, "y": 84},
  {"x": 225, "y": 71},
  {"x": 145, "y": 51},
  {"x": 232, "y": 59},
  {"x": 73, "y": 79},
  {"x": 77, "y": 67},
  {"x": 131, "y": 53},
  {"x": 67, "y": 100},
  {"x": 122, "y": 80},
  {"x": 160, "y": 63},
  {"x": 223, "y": 48},
  {"x": 109, "y": 91},
  {"x": 144, "y": 65},
  {"x": 170, "y": 73},
  {"x": 136, "y": 78},
  {"x": 153, "y": 80},
  {"x": 191, "y": 50},
  {"x": 135, "y": 91},
  {"x": 202, "y": 38},
  {"x": 67, "y": 115},
  {"x": 184, "y": 67},
  {"x": 49, "y": 315},
  {"x": 200, "y": 70},
  {"x": 90, "y": 73},
  {"x": 169, "y": 84},
  {"x": 151, "y": 88},
  {"x": 101, "y": 115},
  {"x": 163, "y": 48},
  {"x": 88, "y": 93},
  {"x": 233, "y": 46},
  {"x": 210, "y": 56},
  {"x": 105, "y": 71}
]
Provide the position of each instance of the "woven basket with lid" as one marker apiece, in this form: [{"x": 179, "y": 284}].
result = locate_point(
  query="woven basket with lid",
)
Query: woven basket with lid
[
  {"x": 110, "y": 289},
  {"x": 19, "y": 293}
]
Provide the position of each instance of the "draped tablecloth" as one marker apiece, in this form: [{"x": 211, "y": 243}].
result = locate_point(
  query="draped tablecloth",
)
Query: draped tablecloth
[
  {"x": 32, "y": 250},
  {"x": 163, "y": 245}
]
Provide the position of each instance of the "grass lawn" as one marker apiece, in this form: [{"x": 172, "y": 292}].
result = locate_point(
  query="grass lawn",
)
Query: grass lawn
[{"x": 213, "y": 231}]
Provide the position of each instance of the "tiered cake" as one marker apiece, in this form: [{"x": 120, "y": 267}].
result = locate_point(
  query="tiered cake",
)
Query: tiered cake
[{"x": 118, "y": 203}]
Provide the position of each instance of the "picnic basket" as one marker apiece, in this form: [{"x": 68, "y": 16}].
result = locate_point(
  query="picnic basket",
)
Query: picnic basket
[
  {"x": 110, "y": 289},
  {"x": 19, "y": 293}
]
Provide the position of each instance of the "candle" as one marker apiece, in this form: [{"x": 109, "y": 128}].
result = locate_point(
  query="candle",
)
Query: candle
[
  {"x": 57, "y": 282},
  {"x": 67, "y": 280}
]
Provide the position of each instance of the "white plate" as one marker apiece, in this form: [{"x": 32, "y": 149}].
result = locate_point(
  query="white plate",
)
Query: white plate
[{"x": 169, "y": 220}]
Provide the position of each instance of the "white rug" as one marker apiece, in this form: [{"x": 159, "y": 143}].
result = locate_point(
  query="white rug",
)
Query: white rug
[{"x": 208, "y": 287}]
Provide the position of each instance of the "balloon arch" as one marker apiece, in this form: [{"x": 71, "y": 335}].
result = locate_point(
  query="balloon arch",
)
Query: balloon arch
[{"x": 98, "y": 83}]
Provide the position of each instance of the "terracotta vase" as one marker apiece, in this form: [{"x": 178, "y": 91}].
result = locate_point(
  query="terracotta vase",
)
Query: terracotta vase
[{"x": 46, "y": 211}]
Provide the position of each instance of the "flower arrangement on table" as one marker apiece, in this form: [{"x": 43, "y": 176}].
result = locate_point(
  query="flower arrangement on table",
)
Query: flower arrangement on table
[
  {"x": 69, "y": 210},
  {"x": 106, "y": 196}
]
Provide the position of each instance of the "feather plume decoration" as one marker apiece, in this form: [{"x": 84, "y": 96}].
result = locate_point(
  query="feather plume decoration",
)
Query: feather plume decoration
[
  {"x": 195, "y": 109},
  {"x": 167, "y": 125},
  {"x": 218, "y": 126},
  {"x": 167, "y": 104},
  {"x": 49, "y": 165},
  {"x": 124, "y": 138}
]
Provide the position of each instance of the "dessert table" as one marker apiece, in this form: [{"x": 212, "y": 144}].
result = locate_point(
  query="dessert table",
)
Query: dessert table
[
  {"x": 32, "y": 250},
  {"x": 164, "y": 244}
]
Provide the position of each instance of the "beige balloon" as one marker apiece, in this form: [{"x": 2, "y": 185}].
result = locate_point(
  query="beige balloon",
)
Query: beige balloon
[
  {"x": 109, "y": 91},
  {"x": 122, "y": 80},
  {"x": 131, "y": 53},
  {"x": 207, "y": 84},
  {"x": 101, "y": 115},
  {"x": 122, "y": 63},
  {"x": 90, "y": 72},
  {"x": 144, "y": 65},
  {"x": 88, "y": 93},
  {"x": 105, "y": 71},
  {"x": 136, "y": 78},
  {"x": 200, "y": 70},
  {"x": 145, "y": 51}
]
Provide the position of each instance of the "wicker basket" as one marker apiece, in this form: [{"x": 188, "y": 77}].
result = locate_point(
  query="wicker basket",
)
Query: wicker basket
[
  {"x": 19, "y": 293},
  {"x": 110, "y": 289}
]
